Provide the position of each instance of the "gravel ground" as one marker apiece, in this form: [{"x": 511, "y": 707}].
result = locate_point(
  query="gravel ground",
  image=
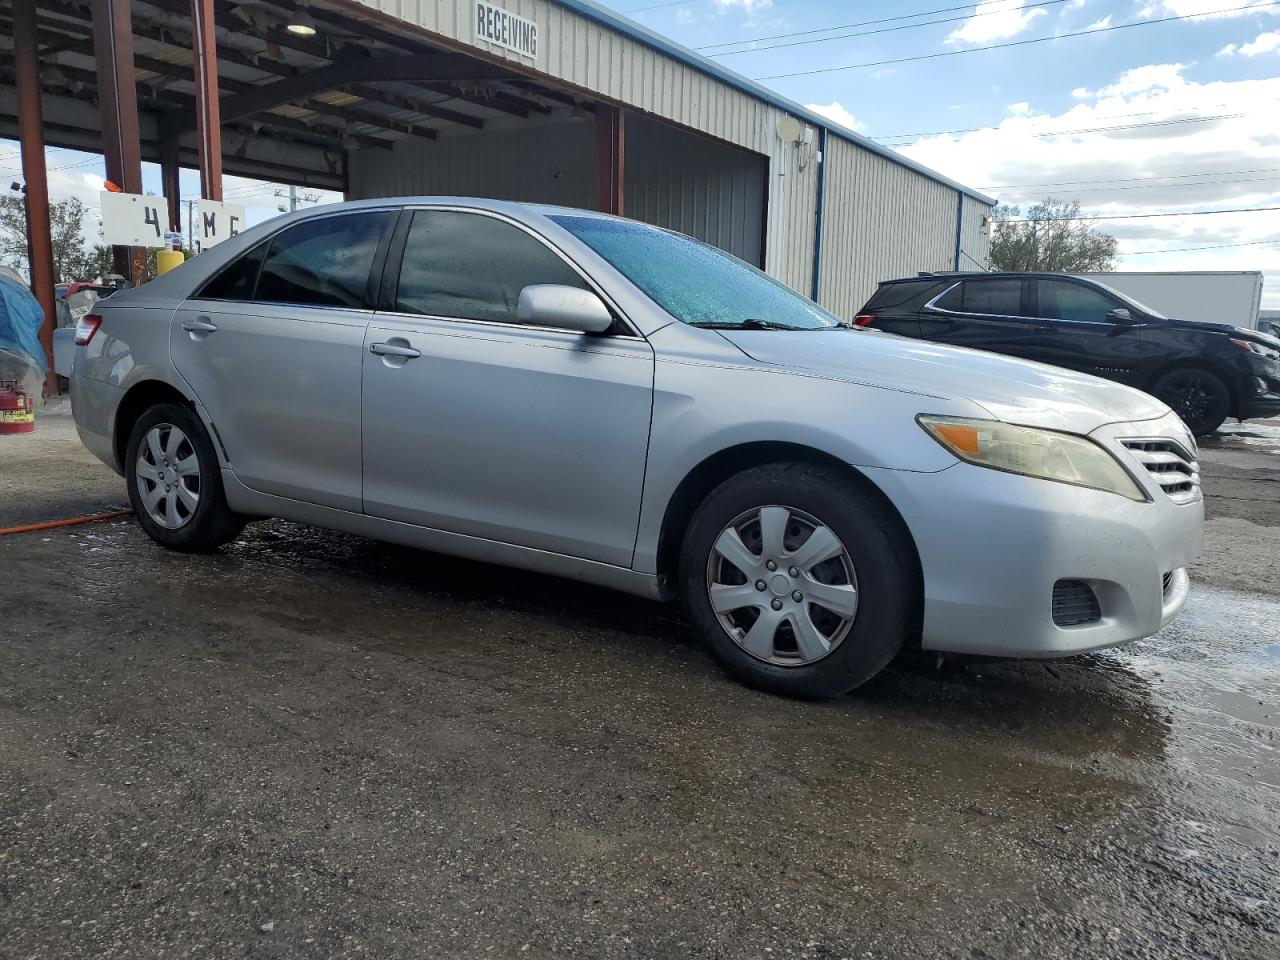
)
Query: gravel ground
[{"x": 312, "y": 745}]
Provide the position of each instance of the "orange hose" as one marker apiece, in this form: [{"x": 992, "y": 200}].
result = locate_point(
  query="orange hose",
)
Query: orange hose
[{"x": 48, "y": 524}]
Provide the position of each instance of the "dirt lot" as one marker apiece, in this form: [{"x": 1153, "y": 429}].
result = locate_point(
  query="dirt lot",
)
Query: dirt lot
[{"x": 313, "y": 745}]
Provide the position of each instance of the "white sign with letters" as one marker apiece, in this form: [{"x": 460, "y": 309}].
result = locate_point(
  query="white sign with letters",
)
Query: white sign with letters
[
  {"x": 507, "y": 30},
  {"x": 217, "y": 221},
  {"x": 132, "y": 220}
]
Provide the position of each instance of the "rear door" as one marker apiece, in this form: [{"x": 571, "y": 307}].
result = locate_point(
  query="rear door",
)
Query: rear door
[
  {"x": 986, "y": 314},
  {"x": 272, "y": 348},
  {"x": 1082, "y": 336},
  {"x": 895, "y": 307},
  {"x": 478, "y": 424}
]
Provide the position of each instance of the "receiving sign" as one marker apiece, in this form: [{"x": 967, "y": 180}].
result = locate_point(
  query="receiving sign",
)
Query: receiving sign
[
  {"x": 132, "y": 220},
  {"x": 217, "y": 221},
  {"x": 507, "y": 30}
]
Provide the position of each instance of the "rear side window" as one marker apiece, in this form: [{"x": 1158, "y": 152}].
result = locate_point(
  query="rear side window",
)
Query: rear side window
[
  {"x": 1000, "y": 298},
  {"x": 237, "y": 279},
  {"x": 471, "y": 267},
  {"x": 323, "y": 262},
  {"x": 1062, "y": 300},
  {"x": 909, "y": 295}
]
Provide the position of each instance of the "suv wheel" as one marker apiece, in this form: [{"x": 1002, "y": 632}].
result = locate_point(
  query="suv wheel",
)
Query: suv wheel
[
  {"x": 1199, "y": 397},
  {"x": 175, "y": 484},
  {"x": 799, "y": 580}
]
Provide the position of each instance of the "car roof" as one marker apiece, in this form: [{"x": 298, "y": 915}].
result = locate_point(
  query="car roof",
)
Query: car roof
[{"x": 989, "y": 274}]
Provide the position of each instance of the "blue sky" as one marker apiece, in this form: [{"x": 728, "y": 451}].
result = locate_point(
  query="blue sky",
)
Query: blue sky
[{"x": 1114, "y": 119}]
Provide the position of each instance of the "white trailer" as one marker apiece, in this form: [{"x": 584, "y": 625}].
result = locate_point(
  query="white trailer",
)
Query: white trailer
[{"x": 1210, "y": 296}]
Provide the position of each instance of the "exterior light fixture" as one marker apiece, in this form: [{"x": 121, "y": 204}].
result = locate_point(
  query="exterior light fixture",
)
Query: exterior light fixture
[{"x": 300, "y": 24}]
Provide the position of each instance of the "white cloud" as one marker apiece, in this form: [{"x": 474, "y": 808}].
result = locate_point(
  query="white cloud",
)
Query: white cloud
[
  {"x": 1262, "y": 43},
  {"x": 1135, "y": 167},
  {"x": 836, "y": 112},
  {"x": 750, "y": 7},
  {"x": 994, "y": 20},
  {"x": 1020, "y": 109},
  {"x": 1211, "y": 9},
  {"x": 1082, "y": 93},
  {"x": 1100, "y": 24}
]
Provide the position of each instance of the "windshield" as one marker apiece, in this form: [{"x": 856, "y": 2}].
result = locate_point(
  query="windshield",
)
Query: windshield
[
  {"x": 1130, "y": 301},
  {"x": 694, "y": 282}
]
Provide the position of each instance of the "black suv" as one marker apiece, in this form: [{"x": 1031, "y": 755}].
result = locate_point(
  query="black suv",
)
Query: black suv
[{"x": 1205, "y": 371}]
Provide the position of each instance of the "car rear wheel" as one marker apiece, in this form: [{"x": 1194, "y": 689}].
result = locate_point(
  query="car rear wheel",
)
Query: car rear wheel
[
  {"x": 1199, "y": 397},
  {"x": 175, "y": 484},
  {"x": 799, "y": 579}
]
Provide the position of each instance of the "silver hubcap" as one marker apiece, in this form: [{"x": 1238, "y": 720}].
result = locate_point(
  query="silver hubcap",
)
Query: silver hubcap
[
  {"x": 782, "y": 585},
  {"x": 168, "y": 476}
]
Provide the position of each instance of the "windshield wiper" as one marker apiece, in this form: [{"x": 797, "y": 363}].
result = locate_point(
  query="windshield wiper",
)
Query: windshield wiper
[{"x": 752, "y": 324}]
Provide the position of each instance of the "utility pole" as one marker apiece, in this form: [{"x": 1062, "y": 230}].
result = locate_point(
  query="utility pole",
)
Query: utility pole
[
  {"x": 293, "y": 198},
  {"x": 190, "y": 217}
]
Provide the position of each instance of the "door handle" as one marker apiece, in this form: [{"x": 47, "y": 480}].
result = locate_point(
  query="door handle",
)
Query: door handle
[
  {"x": 199, "y": 325},
  {"x": 394, "y": 350}
]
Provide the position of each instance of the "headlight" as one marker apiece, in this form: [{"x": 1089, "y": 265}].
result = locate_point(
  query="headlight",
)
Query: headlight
[
  {"x": 1045, "y": 454},
  {"x": 1261, "y": 349}
]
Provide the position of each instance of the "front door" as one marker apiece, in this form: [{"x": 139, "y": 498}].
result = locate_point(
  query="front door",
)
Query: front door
[
  {"x": 479, "y": 425},
  {"x": 272, "y": 349},
  {"x": 1085, "y": 337},
  {"x": 985, "y": 314}
]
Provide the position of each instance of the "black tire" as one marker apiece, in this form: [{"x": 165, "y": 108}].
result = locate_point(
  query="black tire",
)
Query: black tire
[
  {"x": 1199, "y": 397},
  {"x": 883, "y": 562},
  {"x": 212, "y": 523}
]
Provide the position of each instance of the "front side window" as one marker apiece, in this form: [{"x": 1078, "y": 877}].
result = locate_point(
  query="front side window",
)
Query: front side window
[
  {"x": 1061, "y": 300},
  {"x": 694, "y": 282},
  {"x": 996, "y": 298},
  {"x": 469, "y": 266},
  {"x": 324, "y": 262}
]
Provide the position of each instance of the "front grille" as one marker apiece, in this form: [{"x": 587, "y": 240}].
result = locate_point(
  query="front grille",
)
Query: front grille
[
  {"x": 1172, "y": 466},
  {"x": 1074, "y": 603}
]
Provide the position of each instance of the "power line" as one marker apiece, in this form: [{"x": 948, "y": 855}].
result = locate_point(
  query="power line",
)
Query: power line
[
  {"x": 1064, "y": 133},
  {"x": 841, "y": 26},
  {"x": 867, "y": 33},
  {"x": 657, "y": 6},
  {"x": 1167, "y": 186},
  {"x": 1215, "y": 246},
  {"x": 1146, "y": 216},
  {"x": 1171, "y": 176},
  {"x": 1016, "y": 43}
]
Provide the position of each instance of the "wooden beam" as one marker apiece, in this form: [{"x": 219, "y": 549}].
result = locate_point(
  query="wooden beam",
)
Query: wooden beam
[
  {"x": 204, "y": 49},
  {"x": 610, "y": 158}
]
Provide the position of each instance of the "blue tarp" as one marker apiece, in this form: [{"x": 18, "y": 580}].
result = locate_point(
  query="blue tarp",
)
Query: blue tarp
[{"x": 20, "y": 319}]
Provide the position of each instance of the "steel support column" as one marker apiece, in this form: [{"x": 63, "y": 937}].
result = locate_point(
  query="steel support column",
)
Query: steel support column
[
  {"x": 169, "y": 184},
  {"x": 208, "y": 111},
  {"x": 610, "y": 158},
  {"x": 31, "y": 134},
  {"x": 118, "y": 103}
]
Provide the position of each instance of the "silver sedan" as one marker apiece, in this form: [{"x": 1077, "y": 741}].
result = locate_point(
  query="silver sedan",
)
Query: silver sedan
[{"x": 599, "y": 399}]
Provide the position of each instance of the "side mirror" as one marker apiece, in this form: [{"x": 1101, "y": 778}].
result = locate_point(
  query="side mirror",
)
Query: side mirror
[
  {"x": 1120, "y": 315},
  {"x": 562, "y": 307}
]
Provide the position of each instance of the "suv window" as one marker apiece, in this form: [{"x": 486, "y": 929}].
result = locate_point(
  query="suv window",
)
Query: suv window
[
  {"x": 1000, "y": 298},
  {"x": 324, "y": 262},
  {"x": 472, "y": 267},
  {"x": 1063, "y": 300}
]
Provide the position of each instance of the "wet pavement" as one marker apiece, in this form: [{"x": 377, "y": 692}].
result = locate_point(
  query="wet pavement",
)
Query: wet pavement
[{"x": 313, "y": 745}]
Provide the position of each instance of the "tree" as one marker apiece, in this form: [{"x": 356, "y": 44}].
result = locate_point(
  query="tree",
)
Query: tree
[
  {"x": 1053, "y": 237},
  {"x": 72, "y": 257}
]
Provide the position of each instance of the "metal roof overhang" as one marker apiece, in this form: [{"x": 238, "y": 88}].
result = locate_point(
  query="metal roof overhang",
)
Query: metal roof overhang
[{"x": 291, "y": 106}]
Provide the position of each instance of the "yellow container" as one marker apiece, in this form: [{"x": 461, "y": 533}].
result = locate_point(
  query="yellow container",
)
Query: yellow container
[{"x": 166, "y": 260}]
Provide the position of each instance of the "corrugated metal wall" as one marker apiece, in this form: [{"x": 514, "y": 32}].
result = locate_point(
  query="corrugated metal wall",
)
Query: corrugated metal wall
[
  {"x": 544, "y": 163},
  {"x": 975, "y": 239},
  {"x": 881, "y": 221},
  {"x": 673, "y": 178},
  {"x": 689, "y": 183}
]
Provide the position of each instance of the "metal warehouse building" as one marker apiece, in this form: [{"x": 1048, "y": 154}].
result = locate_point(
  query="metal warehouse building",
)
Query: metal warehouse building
[{"x": 556, "y": 101}]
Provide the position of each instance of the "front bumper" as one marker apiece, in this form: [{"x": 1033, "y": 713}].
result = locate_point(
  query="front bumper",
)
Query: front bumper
[{"x": 993, "y": 545}]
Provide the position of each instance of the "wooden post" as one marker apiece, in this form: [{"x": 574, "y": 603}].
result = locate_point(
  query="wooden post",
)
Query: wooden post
[{"x": 208, "y": 113}]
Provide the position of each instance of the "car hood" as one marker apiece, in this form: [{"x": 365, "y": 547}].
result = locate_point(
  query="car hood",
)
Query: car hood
[
  {"x": 1016, "y": 391},
  {"x": 1239, "y": 333}
]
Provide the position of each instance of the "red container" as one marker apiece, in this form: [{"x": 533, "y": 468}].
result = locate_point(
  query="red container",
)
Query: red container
[{"x": 17, "y": 410}]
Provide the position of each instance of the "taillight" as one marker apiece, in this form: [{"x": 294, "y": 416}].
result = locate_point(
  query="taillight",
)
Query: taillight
[
  {"x": 864, "y": 319},
  {"x": 87, "y": 327}
]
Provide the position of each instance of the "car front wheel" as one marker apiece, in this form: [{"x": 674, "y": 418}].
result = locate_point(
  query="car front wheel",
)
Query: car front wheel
[
  {"x": 1199, "y": 397},
  {"x": 800, "y": 579},
  {"x": 175, "y": 484}
]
